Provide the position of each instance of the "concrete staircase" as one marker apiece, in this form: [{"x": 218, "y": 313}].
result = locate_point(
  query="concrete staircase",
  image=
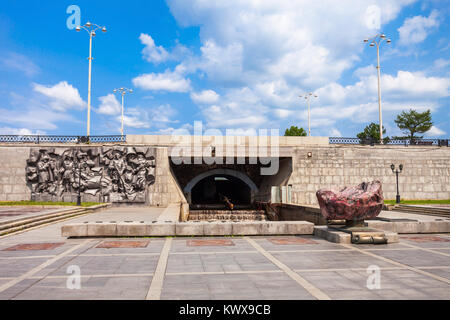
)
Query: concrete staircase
[
  {"x": 8, "y": 227},
  {"x": 425, "y": 210}
]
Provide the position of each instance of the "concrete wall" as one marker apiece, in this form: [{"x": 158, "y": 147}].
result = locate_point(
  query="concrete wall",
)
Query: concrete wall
[
  {"x": 13, "y": 162},
  {"x": 165, "y": 190},
  {"x": 426, "y": 173}
]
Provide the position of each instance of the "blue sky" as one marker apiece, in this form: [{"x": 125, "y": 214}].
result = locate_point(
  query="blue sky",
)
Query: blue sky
[{"x": 234, "y": 65}]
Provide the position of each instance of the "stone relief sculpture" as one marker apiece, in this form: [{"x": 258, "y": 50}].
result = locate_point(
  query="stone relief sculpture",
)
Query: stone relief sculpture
[{"x": 107, "y": 174}]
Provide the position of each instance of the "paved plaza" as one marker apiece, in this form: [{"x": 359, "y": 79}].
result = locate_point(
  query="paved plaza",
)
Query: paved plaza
[{"x": 39, "y": 264}]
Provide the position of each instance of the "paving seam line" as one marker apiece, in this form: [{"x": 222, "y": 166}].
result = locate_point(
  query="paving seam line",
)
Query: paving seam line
[
  {"x": 426, "y": 249},
  {"x": 156, "y": 285},
  {"x": 310, "y": 288},
  {"x": 398, "y": 264},
  {"x": 41, "y": 266}
]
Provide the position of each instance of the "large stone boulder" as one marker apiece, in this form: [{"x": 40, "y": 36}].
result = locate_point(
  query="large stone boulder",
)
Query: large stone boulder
[{"x": 364, "y": 201}]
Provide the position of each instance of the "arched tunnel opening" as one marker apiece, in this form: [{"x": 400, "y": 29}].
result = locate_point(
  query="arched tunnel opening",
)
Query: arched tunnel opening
[{"x": 219, "y": 191}]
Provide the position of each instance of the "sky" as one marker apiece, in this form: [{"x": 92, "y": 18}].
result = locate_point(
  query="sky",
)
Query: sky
[{"x": 235, "y": 66}]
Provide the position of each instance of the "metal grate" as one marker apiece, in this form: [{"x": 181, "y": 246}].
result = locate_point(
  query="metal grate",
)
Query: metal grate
[
  {"x": 61, "y": 139},
  {"x": 405, "y": 142}
]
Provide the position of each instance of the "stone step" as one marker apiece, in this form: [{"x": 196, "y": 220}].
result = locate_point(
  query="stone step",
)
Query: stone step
[
  {"x": 27, "y": 223},
  {"x": 160, "y": 229}
]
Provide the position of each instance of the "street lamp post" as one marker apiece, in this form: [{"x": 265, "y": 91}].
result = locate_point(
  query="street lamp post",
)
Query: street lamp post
[
  {"x": 79, "y": 184},
  {"x": 376, "y": 41},
  {"x": 397, "y": 198},
  {"x": 308, "y": 96},
  {"x": 123, "y": 92},
  {"x": 90, "y": 28}
]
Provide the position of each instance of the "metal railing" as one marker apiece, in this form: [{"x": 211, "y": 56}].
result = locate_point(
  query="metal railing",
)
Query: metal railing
[
  {"x": 405, "y": 142},
  {"x": 61, "y": 139}
]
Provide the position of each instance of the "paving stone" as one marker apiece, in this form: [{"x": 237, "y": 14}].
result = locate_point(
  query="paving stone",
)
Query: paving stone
[
  {"x": 34, "y": 246},
  {"x": 209, "y": 243},
  {"x": 123, "y": 244}
]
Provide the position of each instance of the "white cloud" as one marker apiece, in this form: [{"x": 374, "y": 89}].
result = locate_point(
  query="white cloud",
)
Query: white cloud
[
  {"x": 167, "y": 81},
  {"x": 20, "y": 131},
  {"x": 435, "y": 132},
  {"x": 416, "y": 29},
  {"x": 62, "y": 96},
  {"x": 151, "y": 52},
  {"x": 335, "y": 133},
  {"x": 16, "y": 61},
  {"x": 34, "y": 118},
  {"x": 205, "y": 97},
  {"x": 263, "y": 54},
  {"x": 109, "y": 105}
]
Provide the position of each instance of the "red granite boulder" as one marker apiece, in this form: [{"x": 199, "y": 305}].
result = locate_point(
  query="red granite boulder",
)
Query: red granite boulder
[{"x": 364, "y": 201}]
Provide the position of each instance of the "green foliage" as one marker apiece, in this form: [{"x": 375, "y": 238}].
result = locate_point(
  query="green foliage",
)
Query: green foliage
[
  {"x": 294, "y": 131},
  {"x": 412, "y": 122},
  {"x": 372, "y": 132}
]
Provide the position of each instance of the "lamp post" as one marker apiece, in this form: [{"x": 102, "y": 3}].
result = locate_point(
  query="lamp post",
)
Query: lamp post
[
  {"x": 308, "y": 96},
  {"x": 123, "y": 92},
  {"x": 376, "y": 41},
  {"x": 397, "y": 198},
  {"x": 79, "y": 184},
  {"x": 90, "y": 28}
]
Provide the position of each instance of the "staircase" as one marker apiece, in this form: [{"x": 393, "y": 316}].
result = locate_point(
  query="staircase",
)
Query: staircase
[
  {"x": 8, "y": 227},
  {"x": 425, "y": 210}
]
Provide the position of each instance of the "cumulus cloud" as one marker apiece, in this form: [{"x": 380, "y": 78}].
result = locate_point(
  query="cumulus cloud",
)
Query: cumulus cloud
[
  {"x": 264, "y": 54},
  {"x": 109, "y": 105},
  {"x": 205, "y": 97},
  {"x": 151, "y": 52},
  {"x": 62, "y": 96},
  {"x": 172, "y": 81},
  {"x": 435, "y": 132},
  {"x": 416, "y": 29},
  {"x": 20, "y": 131}
]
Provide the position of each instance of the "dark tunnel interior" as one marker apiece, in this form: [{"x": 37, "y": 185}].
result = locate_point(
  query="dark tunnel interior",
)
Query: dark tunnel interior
[{"x": 211, "y": 191}]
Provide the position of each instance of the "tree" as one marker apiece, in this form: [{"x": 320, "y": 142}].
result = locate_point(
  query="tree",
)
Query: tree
[
  {"x": 294, "y": 131},
  {"x": 412, "y": 122},
  {"x": 372, "y": 132}
]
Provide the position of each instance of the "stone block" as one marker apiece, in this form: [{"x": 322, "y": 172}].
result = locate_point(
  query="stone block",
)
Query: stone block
[
  {"x": 131, "y": 229},
  {"x": 218, "y": 229},
  {"x": 434, "y": 226},
  {"x": 332, "y": 235},
  {"x": 246, "y": 228},
  {"x": 273, "y": 227},
  {"x": 299, "y": 227},
  {"x": 102, "y": 229},
  {"x": 75, "y": 230},
  {"x": 160, "y": 229},
  {"x": 189, "y": 228}
]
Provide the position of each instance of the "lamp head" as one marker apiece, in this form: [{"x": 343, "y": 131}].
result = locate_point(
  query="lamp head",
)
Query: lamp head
[
  {"x": 88, "y": 24},
  {"x": 383, "y": 36},
  {"x": 366, "y": 40},
  {"x": 388, "y": 41},
  {"x": 131, "y": 90},
  {"x": 78, "y": 28},
  {"x": 401, "y": 167},
  {"x": 93, "y": 33},
  {"x": 372, "y": 44},
  {"x": 104, "y": 29},
  {"x": 392, "y": 167},
  {"x": 115, "y": 90}
]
